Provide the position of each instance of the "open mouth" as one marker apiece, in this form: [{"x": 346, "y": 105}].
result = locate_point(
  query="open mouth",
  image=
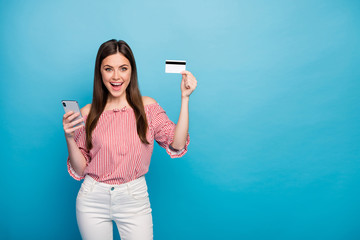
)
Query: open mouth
[{"x": 116, "y": 86}]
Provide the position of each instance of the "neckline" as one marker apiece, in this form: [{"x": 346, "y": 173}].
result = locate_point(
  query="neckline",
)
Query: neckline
[{"x": 124, "y": 109}]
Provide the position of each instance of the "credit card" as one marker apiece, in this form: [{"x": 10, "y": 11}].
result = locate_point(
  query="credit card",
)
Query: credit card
[{"x": 175, "y": 66}]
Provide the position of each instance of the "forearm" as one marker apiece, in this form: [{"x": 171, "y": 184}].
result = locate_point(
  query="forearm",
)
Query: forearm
[
  {"x": 182, "y": 126},
  {"x": 77, "y": 159}
]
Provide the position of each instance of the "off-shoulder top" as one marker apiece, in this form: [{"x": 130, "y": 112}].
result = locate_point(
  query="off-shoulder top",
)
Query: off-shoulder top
[{"x": 118, "y": 156}]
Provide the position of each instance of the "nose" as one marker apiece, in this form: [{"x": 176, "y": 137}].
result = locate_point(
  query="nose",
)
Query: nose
[{"x": 116, "y": 75}]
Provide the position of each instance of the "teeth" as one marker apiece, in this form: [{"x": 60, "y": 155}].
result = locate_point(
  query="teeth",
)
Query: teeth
[{"x": 116, "y": 84}]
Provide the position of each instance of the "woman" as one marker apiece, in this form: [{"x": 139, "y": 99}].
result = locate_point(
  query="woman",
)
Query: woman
[{"x": 112, "y": 152}]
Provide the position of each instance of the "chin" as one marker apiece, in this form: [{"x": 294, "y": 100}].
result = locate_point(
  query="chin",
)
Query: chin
[{"x": 117, "y": 94}]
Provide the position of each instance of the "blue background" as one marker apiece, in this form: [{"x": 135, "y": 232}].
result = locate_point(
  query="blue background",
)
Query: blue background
[{"x": 274, "y": 122}]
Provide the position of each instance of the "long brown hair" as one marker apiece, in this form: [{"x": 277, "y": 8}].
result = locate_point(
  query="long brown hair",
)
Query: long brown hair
[{"x": 100, "y": 92}]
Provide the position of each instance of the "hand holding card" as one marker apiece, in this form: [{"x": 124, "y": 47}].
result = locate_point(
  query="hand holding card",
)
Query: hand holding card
[{"x": 188, "y": 81}]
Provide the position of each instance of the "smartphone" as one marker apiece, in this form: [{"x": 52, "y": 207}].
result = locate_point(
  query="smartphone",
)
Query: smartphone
[{"x": 72, "y": 105}]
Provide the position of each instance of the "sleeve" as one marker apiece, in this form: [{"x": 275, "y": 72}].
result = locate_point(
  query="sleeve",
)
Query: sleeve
[
  {"x": 80, "y": 139},
  {"x": 164, "y": 132}
]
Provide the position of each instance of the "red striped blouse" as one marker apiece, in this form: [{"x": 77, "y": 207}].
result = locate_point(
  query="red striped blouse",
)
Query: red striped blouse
[{"x": 118, "y": 156}]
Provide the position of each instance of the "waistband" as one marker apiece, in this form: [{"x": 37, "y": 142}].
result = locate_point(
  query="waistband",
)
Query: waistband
[{"x": 105, "y": 186}]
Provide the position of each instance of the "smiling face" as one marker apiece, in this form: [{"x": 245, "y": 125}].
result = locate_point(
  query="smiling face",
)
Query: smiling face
[{"x": 116, "y": 74}]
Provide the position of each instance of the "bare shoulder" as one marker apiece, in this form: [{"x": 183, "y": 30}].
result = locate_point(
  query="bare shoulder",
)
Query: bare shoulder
[
  {"x": 85, "y": 110},
  {"x": 148, "y": 100}
]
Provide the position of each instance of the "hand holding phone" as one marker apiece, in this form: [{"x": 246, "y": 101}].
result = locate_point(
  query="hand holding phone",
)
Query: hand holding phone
[{"x": 72, "y": 119}]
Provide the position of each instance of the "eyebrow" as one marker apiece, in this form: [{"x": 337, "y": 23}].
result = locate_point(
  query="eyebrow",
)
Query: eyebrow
[{"x": 112, "y": 66}]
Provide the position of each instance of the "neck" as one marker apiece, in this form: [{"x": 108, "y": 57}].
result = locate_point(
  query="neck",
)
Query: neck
[{"x": 116, "y": 102}]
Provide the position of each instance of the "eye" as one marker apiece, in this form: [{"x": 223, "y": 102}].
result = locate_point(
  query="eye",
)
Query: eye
[
  {"x": 108, "y": 69},
  {"x": 123, "y": 69}
]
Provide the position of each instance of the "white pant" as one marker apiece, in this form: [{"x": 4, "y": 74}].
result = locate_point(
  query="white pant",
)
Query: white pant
[{"x": 97, "y": 204}]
